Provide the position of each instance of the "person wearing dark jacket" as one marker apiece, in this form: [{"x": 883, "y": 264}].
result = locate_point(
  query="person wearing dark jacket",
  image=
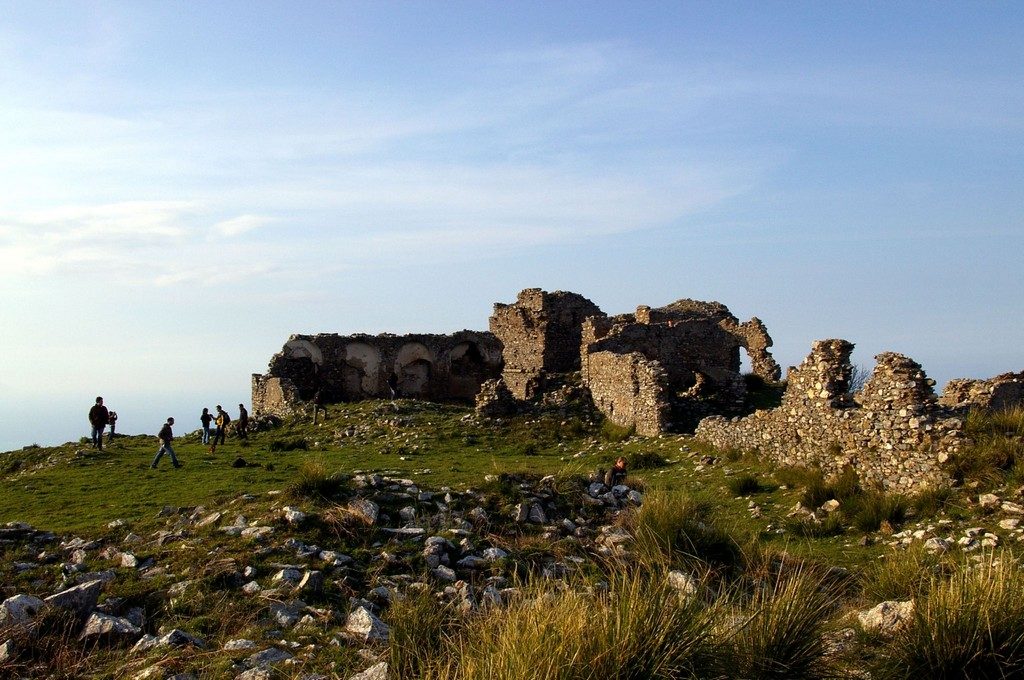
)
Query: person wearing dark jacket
[
  {"x": 243, "y": 422},
  {"x": 98, "y": 416},
  {"x": 165, "y": 436},
  {"x": 221, "y": 433},
  {"x": 206, "y": 419}
]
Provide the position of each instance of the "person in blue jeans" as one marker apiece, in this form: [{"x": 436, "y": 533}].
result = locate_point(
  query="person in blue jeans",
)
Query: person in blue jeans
[
  {"x": 206, "y": 419},
  {"x": 98, "y": 416},
  {"x": 165, "y": 436}
]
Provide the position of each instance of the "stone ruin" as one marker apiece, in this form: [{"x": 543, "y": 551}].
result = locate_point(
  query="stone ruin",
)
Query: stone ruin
[
  {"x": 655, "y": 370},
  {"x": 895, "y": 432},
  {"x": 352, "y": 367}
]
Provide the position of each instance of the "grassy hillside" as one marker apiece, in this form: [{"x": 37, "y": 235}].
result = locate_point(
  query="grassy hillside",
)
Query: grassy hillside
[{"x": 788, "y": 552}]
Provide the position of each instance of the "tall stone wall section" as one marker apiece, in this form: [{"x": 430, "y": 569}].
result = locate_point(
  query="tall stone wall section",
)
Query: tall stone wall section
[
  {"x": 540, "y": 334},
  {"x": 894, "y": 433},
  {"x": 630, "y": 390}
]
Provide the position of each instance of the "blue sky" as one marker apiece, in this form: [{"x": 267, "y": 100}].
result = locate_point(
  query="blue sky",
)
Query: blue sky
[{"x": 184, "y": 185}]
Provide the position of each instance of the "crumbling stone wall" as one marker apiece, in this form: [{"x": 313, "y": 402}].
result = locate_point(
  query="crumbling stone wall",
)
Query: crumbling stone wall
[
  {"x": 1001, "y": 392},
  {"x": 894, "y": 433},
  {"x": 631, "y": 390},
  {"x": 697, "y": 346},
  {"x": 540, "y": 333},
  {"x": 353, "y": 367}
]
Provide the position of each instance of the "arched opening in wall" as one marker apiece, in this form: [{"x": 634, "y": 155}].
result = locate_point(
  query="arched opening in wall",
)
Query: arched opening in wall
[
  {"x": 414, "y": 379},
  {"x": 361, "y": 371},
  {"x": 467, "y": 371},
  {"x": 414, "y": 367},
  {"x": 302, "y": 363}
]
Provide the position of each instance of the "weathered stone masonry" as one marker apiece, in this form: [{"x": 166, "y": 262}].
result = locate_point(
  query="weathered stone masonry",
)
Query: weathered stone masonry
[
  {"x": 353, "y": 367},
  {"x": 894, "y": 432}
]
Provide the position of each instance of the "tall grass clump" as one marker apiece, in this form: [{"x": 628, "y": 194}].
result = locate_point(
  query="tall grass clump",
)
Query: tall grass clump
[
  {"x": 903, "y": 574},
  {"x": 313, "y": 482},
  {"x": 639, "y": 629},
  {"x": 969, "y": 626},
  {"x": 782, "y": 630},
  {"x": 870, "y": 509},
  {"x": 419, "y": 630},
  {"x": 612, "y": 433},
  {"x": 932, "y": 500},
  {"x": 745, "y": 484},
  {"x": 293, "y": 444},
  {"x": 673, "y": 528},
  {"x": 997, "y": 446}
]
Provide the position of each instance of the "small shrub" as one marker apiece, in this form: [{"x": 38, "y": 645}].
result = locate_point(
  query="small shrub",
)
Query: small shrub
[
  {"x": 420, "y": 627},
  {"x": 796, "y": 476},
  {"x": 969, "y": 626},
  {"x": 931, "y": 501},
  {"x": 293, "y": 444},
  {"x": 610, "y": 432},
  {"x": 744, "y": 485},
  {"x": 314, "y": 482},
  {"x": 901, "y": 574},
  {"x": 671, "y": 528},
  {"x": 645, "y": 461},
  {"x": 529, "y": 449},
  {"x": 784, "y": 635},
  {"x": 805, "y": 527},
  {"x": 872, "y": 508}
]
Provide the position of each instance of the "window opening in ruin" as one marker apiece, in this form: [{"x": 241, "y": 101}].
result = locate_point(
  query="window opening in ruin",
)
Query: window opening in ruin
[
  {"x": 414, "y": 378},
  {"x": 468, "y": 370}
]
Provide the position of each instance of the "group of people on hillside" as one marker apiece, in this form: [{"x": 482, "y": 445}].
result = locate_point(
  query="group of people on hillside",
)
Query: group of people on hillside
[{"x": 100, "y": 417}]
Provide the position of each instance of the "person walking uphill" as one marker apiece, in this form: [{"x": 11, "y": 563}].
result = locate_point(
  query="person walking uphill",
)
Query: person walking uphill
[
  {"x": 220, "y": 434},
  {"x": 98, "y": 416},
  {"x": 165, "y": 436}
]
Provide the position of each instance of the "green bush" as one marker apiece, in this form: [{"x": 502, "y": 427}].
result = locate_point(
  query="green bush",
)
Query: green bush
[
  {"x": 782, "y": 635},
  {"x": 832, "y": 525},
  {"x": 293, "y": 444},
  {"x": 931, "y": 501},
  {"x": 671, "y": 528},
  {"x": 901, "y": 574},
  {"x": 610, "y": 432},
  {"x": 870, "y": 509},
  {"x": 744, "y": 485},
  {"x": 645, "y": 461},
  {"x": 640, "y": 629},
  {"x": 314, "y": 482},
  {"x": 969, "y": 626}
]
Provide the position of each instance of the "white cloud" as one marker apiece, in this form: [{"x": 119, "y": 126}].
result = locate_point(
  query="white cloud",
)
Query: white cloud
[{"x": 240, "y": 225}]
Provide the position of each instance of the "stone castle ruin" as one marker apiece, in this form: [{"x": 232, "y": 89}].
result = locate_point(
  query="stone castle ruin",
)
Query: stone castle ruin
[
  {"x": 670, "y": 369},
  {"x": 348, "y": 368}
]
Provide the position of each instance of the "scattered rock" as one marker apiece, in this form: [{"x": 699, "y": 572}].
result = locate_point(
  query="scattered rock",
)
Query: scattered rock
[{"x": 887, "y": 617}]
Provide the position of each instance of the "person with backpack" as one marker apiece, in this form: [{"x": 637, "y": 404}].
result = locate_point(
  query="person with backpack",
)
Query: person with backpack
[
  {"x": 220, "y": 434},
  {"x": 206, "y": 419},
  {"x": 165, "y": 436}
]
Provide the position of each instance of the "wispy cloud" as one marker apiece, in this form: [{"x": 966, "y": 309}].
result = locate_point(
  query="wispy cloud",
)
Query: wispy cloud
[{"x": 237, "y": 226}]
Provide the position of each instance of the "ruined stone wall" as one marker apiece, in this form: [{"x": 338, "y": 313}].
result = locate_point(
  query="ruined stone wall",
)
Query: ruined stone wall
[
  {"x": 630, "y": 390},
  {"x": 353, "y": 367},
  {"x": 894, "y": 433},
  {"x": 1001, "y": 392},
  {"x": 540, "y": 334}
]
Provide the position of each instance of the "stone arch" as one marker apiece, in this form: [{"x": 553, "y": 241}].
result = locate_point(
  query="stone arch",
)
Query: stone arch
[
  {"x": 467, "y": 370},
  {"x": 414, "y": 366},
  {"x": 361, "y": 370},
  {"x": 304, "y": 349}
]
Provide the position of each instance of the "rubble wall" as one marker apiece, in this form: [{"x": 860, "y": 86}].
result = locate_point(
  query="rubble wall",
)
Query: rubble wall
[
  {"x": 540, "y": 333},
  {"x": 630, "y": 390},
  {"x": 1001, "y": 392},
  {"x": 345, "y": 368},
  {"x": 894, "y": 432}
]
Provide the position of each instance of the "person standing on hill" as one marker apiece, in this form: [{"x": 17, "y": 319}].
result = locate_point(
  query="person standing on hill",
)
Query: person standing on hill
[
  {"x": 243, "y": 422},
  {"x": 318, "y": 405},
  {"x": 98, "y": 416},
  {"x": 206, "y": 419},
  {"x": 220, "y": 435},
  {"x": 112, "y": 421},
  {"x": 165, "y": 436}
]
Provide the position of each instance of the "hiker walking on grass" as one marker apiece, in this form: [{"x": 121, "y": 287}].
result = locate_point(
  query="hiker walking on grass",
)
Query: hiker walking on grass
[
  {"x": 243, "y": 422},
  {"x": 165, "y": 436},
  {"x": 220, "y": 435},
  {"x": 206, "y": 419},
  {"x": 112, "y": 421},
  {"x": 318, "y": 405},
  {"x": 98, "y": 416}
]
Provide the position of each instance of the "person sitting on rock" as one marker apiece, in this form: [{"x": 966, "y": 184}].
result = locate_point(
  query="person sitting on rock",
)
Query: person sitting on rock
[{"x": 617, "y": 474}]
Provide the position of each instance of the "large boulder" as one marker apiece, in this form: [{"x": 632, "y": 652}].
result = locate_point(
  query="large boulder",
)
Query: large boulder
[
  {"x": 887, "y": 617},
  {"x": 19, "y": 609},
  {"x": 80, "y": 599},
  {"x": 104, "y": 628},
  {"x": 367, "y": 627}
]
